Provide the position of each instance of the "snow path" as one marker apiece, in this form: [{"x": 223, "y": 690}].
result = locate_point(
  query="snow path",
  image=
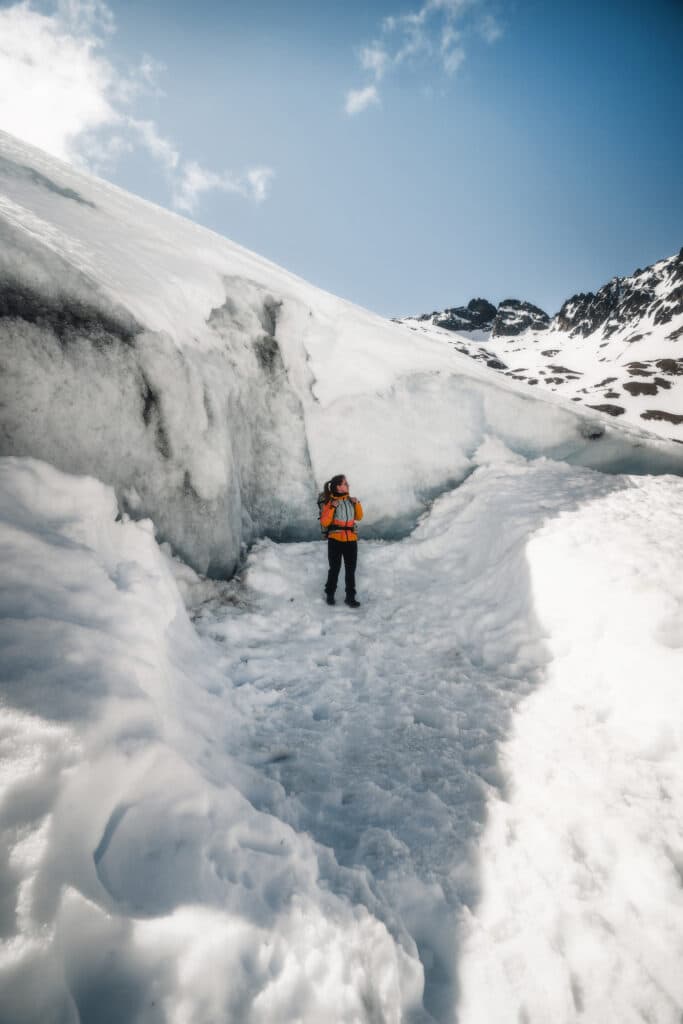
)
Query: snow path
[
  {"x": 462, "y": 803},
  {"x": 381, "y": 727}
]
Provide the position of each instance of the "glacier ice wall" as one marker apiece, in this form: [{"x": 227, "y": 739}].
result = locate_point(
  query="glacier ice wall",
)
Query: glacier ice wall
[
  {"x": 216, "y": 392},
  {"x": 198, "y": 440}
]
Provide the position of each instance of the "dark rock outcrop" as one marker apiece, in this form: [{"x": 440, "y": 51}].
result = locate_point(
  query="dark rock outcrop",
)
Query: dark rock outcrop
[
  {"x": 662, "y": 414},
  {"x": 655, "y": 292},
  {"x": 514, "y": 317},
  {"x": 510, "y": 318},
  {"x": 477, "y": 315},
  {"x": 612, "y": 410}
]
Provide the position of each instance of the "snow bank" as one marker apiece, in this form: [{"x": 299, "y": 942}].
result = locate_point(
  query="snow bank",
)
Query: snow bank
[
  {"x": 216, "y": 392},
  {"x": 139, "y": 883},
  {"x": 582, "y": 906}
]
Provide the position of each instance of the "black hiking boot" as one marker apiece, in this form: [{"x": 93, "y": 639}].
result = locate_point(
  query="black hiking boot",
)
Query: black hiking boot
[
  {"x": 352, "y": 603},
  {"x": 330, "y": 598}
]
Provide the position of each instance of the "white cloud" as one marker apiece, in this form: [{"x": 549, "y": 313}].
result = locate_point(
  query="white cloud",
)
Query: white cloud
[
  {"x": 490, "y": 28},
  {"x": 436, "y": 31},
  {"x": 449, "y": 36},
  {"x": 54, "y": 84},
  {"x": 195, "y": 180},
  {"x": 159, "y": 147},
  {"x": 260, "y": 179},
  {"x": 59, "y": 91},
  {"x": 149, "y": 72},
  {"x": 361, "y": 99},
  {"x": 415, "y": 40},
  {"x": 454, "y": 8},
  {"x": 140, "y": 81},
  {"x": 86, "y": 16},
  {"x": 375, "y": 59},
  {"x": 452, "y": 59},
  {"x": 452, "y": 53}
]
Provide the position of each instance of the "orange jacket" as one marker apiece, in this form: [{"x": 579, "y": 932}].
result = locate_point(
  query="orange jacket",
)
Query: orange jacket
[{"x": 341, "y": 528}]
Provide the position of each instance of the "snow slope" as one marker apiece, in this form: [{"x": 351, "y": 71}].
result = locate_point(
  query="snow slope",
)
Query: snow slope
[
  {"x": 464, "y": 802},
  {"x": 216, "y": 392},
  {"x": 581, "y": 915}
]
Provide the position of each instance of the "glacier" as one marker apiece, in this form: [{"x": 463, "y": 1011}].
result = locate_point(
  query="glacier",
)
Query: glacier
[
  {"x": 221, "y": 800},
  {"x": 216, "y": 392}
]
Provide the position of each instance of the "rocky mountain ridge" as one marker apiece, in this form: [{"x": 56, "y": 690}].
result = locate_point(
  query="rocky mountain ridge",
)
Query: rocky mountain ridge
[
  {"x": 619, "y": 350},
  {"x": 655, "y": 292},
  {"x": 509, "y": 318}
]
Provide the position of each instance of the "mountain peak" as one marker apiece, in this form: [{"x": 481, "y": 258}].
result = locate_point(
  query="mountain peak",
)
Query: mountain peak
[
  {"x": 654, "y": 294},
  {"x": 614, "y": 350},
  {"x": 477, "y": 315},
  {"x": 509, "y": 318}
]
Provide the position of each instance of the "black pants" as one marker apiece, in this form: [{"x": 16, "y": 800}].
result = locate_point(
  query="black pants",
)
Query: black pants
[{"x": 336, "y": 550}]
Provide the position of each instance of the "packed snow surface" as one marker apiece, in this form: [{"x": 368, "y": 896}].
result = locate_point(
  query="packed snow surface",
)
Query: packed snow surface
[
  {"x": 216, "y": 392},
  {"x": 230, "y": 802}
]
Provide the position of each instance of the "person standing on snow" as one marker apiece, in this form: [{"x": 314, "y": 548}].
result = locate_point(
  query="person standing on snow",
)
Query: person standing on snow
[{"x": 338, "y": 516}]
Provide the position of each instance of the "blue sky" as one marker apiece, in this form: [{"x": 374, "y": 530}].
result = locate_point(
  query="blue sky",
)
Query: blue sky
[{"x": 510, "y": 148}]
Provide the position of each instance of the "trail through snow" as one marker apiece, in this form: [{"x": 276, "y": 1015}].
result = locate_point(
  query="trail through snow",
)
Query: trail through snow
[
  {"x": 302, "y": 813},
  {"x": 382, "y": 727}
]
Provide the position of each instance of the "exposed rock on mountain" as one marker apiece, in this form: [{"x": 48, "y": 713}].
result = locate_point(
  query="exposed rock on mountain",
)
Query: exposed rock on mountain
[
  {"x": 514, "y": 317},
  {"x": 477, "y": 315},
  {"x": 510, "y": 318},
  {"x": 631, "y": 327},
  {"x": 654, "y": 294}
]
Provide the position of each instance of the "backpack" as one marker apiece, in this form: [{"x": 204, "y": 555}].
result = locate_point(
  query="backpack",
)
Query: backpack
[{"x": 322, "y": 498}]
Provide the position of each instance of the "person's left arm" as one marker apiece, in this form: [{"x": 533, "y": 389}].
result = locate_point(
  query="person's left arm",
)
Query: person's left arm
[{"x": 358, "y": 509}]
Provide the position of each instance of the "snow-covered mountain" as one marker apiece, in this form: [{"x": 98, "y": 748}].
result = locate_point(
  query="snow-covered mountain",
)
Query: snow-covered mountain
[
  {"x": 509, "y": 318},
  {"x": 617, "y": 351},
  {"x": 223, "y": 800}
]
